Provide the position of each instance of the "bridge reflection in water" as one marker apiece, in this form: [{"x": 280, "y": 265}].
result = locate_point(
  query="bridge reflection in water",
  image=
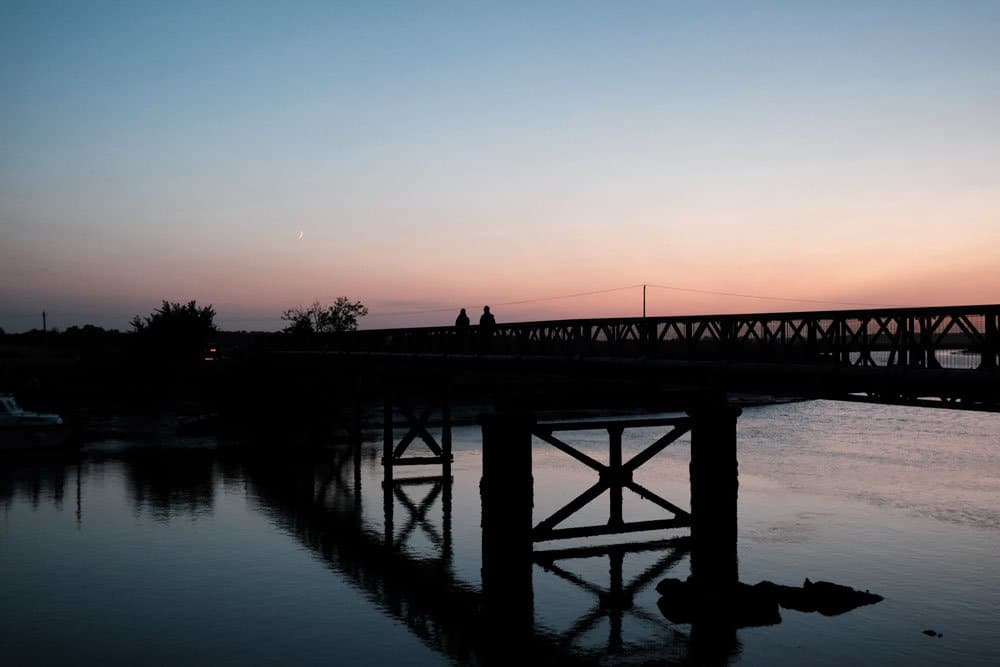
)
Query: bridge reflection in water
[
  {"x": 321, "y": 504},
  {"x": 499, "y": 618}
]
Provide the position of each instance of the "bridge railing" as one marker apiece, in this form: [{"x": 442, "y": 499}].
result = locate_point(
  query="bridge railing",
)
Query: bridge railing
[{"x": 958, "y": 337}]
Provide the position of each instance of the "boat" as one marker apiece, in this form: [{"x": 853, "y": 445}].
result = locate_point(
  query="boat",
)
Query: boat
[{"x": 21, "y": 429}]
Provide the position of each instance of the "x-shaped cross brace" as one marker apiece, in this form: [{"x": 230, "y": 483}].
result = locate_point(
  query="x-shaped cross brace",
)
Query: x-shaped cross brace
[{"x": 613, "y": 477}]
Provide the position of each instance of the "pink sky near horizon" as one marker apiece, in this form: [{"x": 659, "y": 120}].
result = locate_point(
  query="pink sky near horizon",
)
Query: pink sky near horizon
[
  {"x": 924, "y": 248},
  {"x": 252, "y": 299}
]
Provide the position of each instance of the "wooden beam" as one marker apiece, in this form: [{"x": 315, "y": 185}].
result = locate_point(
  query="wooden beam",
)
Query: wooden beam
[
  {"x": 593, "y": 531},
  {"x": 680, "y": 543},
  {"x": 657, "y": 447},
  {"x": 429, "y": 440},
  {"x": 426, "y": 479},
  {"x": 615, "y": 468},
  {"x": 571, "y": 507},
  {"x": 417, "y": 460},
  {"x": 602, "y": 424},
  {"x": 575, "y": 453},
  {"x": 646, "y": 494},
  {"x": 404, "y": 443}
]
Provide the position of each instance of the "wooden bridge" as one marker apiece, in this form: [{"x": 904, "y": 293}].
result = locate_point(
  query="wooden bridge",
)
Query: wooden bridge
[
  {"x": 947, "y": 357},
  {"x": 940, "y": 356}
]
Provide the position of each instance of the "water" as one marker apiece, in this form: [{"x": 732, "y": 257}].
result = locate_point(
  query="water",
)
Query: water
[{"x": 190, "y": 554}]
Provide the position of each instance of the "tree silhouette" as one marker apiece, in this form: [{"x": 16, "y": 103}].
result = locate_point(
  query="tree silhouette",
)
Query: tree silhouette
[
  {"x": 341, "y": 316},
  {"x": 175, "y": 330}
]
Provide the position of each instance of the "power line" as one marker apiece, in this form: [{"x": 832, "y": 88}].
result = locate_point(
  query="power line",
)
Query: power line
[
  {"x": 673, "y": 288},
  {"x": 568, "y": 296},
  {"x": 777, "y": 298},
  {"x": 506, "y": 303}
]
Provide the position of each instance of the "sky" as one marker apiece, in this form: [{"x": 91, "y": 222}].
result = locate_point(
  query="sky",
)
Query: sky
[{"x": 424, "y": 156}]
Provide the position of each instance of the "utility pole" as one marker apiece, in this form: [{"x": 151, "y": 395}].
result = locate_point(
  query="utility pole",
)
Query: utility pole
[
  {"x": 643, "y": 301},
  {"x": 44, "y": 327}
]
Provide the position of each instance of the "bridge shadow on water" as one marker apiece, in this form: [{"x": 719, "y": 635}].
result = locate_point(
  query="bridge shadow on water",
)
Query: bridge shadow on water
[{"x": 319, "y": 501}]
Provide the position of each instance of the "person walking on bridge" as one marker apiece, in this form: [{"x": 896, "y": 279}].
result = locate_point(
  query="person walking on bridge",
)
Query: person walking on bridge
[
  {"x": 487, "y": 323},
  {"x": 462, "y": 331}
]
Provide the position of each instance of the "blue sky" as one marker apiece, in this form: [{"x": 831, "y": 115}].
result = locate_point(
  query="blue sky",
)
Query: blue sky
[{"x": 466, "y": 153}]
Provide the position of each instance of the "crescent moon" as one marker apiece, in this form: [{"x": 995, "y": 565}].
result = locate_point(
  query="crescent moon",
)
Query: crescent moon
[{"x": 301, "y": 234}]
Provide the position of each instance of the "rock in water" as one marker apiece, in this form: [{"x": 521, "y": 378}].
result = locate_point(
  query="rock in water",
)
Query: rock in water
[{"x": 741, "y": 606}]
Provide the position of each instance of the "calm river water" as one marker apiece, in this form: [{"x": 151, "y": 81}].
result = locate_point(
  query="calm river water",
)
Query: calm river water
[{"x": 188, "y": 554}]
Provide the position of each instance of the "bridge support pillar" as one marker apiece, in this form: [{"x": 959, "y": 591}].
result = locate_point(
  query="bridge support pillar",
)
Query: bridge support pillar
[
  {"x": 992, "y": 347},
  {"x": 507, "y": 495},
  {"x": 714, "y": 491},
  {"x": 388, "y": 443},
  {"x": 418, "y": 425}
]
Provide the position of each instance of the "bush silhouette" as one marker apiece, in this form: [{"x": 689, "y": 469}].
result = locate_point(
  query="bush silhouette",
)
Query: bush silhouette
[{"x": 176, "y": 331}]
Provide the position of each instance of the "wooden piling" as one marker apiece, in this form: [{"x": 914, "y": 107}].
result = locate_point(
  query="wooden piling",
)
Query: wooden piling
[
  {"x": 714, "y": 490},
  {"x": 446, "y": 455},
  {"x": 507, "y": 498},
  {"x": 388, "y": 442},
  {"x": 615, "y": 518}
]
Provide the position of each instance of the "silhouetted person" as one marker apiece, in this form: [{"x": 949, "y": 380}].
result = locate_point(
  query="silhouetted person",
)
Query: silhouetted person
[
  {"x": 487, "y": 322},
  {"x": 462, "y": 329}
]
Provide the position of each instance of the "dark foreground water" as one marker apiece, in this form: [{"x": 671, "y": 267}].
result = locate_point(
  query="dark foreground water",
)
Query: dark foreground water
[{"x": 191, "y": 555}]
